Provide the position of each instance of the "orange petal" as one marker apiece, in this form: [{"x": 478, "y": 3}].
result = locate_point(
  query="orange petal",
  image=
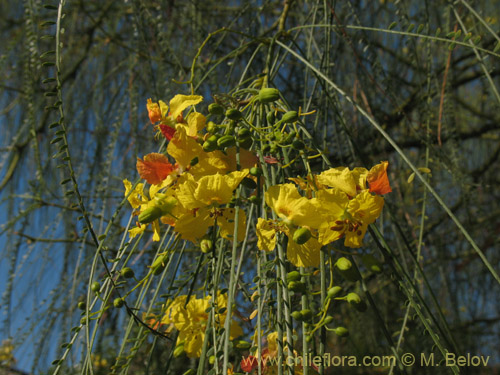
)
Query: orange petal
[
  {"x": 154, "y": 111},
  {"x": 154, "y": 168},
  {"x": 378, "y": 180}
]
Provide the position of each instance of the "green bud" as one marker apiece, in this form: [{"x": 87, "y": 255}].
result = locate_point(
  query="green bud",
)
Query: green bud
[
  {"x": 83, "y": 320},
  {"x": 255, "y": 171},
  {"x": 209, "y": 146},
  {"x": 159, "y": 264},
  {"x": 82, "y": 305},
  {"x": 254, "y": 199},
  {"x": 248, "y": 183},
  {"x": 215, "y": 109},
  {"x": 301, "y": 236},
  {"x": 226, "y": 141},
  {"x": 127, "y": 272},
  {"x": 118, "y": 302},
  {"x": 95, "y": 287},
  {"x": 306, "y": 315},
  {"x": 341, "y": 331},
  {"x": 297, "y": 315},
  {"x": 274, "y": 148},
  {"x": 328, "y": 320},
  {"x": 150, "y": 214},
  {"x": 233, "y": 114},
  {"x": 290, "y": 116},
  {"x": 293, "y": 276},
  {"x": 297, "y": 286},
  {"x": 244, "y": 133},
  {"x": 211, "y": 127},
  {"x": 242, "y": 345},
  {"x": 371, "y": 263},
  {"x": 332, "y": 292},
  {"x": 179, "y": 350},
  {"x": 345, "y": 268},
  {"x": 354, "y": 300},
  {"x": 206, "y": 245},
  {"x": 211, "y": 359},
  {"x": 245, "y": 143},
  {"x": 269, "y": 95}
]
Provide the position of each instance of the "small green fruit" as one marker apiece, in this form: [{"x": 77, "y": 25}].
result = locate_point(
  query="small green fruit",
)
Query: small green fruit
[
  {"x": 328, "y": 320},
  {"x": 150, "y": 214},
  {"x": 306, "y": 315},
  {"x": 242, "y": 345},
  {"x": 341, "y": 331},
  {"x": 118, "y": 303},
  {"x": 354, "y": 300},
  {"x": 345, "y": 268},
  {"x": 293, "y": 276},
  {"x": 255, "y": 171},
  {"x": 290, "y": 116},
  {"x": 332, "y": 292},
  {"x": 269, "y": 95},
  {"x": 95, "y": 287},
  {"x": 215, "y": 109},
  {"x": 301, "y": 236},
  {"x": 209, "y": 146},
  {"x": 206, "y": 245},
  {"x": 211, "y": 127},
  {"x": 127, "y": 272},
  {"x": 297, "y": 315},
  {"x": 226, "y": 141},
  {"x": 233, "y": 114},
  {"x": 179, "y": 350},
  {"x": 371, "y": 263},
  {"x": 297, "y": 286},
  {"x": 82, "y": 305},
  {"x": 244, "y": 133}
]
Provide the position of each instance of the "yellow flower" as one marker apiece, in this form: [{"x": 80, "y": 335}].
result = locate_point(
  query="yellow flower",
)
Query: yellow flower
[
  {"x": 191, "y": 321},
  {"x": 203, "y": 201},
  {"x": 136, "y": 198},
  {"x": 349, "y": 218}
]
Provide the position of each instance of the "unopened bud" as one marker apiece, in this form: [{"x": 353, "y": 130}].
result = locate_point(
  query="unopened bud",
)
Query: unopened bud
[{"x": 301, "y": 236}]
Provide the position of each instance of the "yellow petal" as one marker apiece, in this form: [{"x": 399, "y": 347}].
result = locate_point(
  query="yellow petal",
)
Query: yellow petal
[
  {"x": 340, "y": 178},
  {"x": 366, "y": 207},
  {"x": 306, "y": 255},
  {"x": 136, "y": 198},
  {"x": 218, "y": 189},
  {"x": 196, "y": 122},
  {"x": 180, "y": 102},
  {"x": 136, "y": 230},
  {"x": 193, "y": 225},
  {"x": 226, "y": 224},
  {"x": 163, "y": 109},
  {"x": 266, "y": 235},
  {"x": 182, "y": 147}
]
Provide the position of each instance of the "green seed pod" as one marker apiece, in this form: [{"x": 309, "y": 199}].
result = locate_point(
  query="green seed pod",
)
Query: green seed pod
[
  {"x": 354, "y": 300},
  {"x": 254, "y": 199},
  {"x": 301, "y": 236},
  {"x": 233, "y": 114},
  {"x": 306, "y": 315},
  {"x": 269, "y": 95},
  {"x": 211, "y": 127},
  {"x": 206, "y": 245},
  {"x": 244, "y": 133},
  {"x": 211, "y": 359},
  {"x": 82, "y": 305},
  {"x": 297, "y": 286},
  {"x": 341, "y": 331},
  {"x": 274, "y": 148},
  {"x": 255, "y": 171},
  {"x": 248, "y": 183},
  {"x": 209, "y": 146},
  {"x": 371, "y": 263},
  {"x": 297, "y": 315},
  {"x": 345, "y": 268},
  {"x": 179, "y": 350},
  {"x": 226, "y": 141},
  {"x": 293, "y": 276},
  {"x": 332, "y": 292},
  {"x": 298, "y": 145},
  {"x": 150, "y": 214},
  {"x": 95, "y": 287},
  {"x": 271, "y": 118},
  {"x": 83, "y": 320},
  {"x": 245, "y": 143},
  {"x": 215, "y": 109},
  {"x": 289, "y": 117},
  {"x": 118, "y": 303},
  {"x": 242, "y": 345},
  {"x": 213, "y": 138},
  {"x": 127, "y": 272}
]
